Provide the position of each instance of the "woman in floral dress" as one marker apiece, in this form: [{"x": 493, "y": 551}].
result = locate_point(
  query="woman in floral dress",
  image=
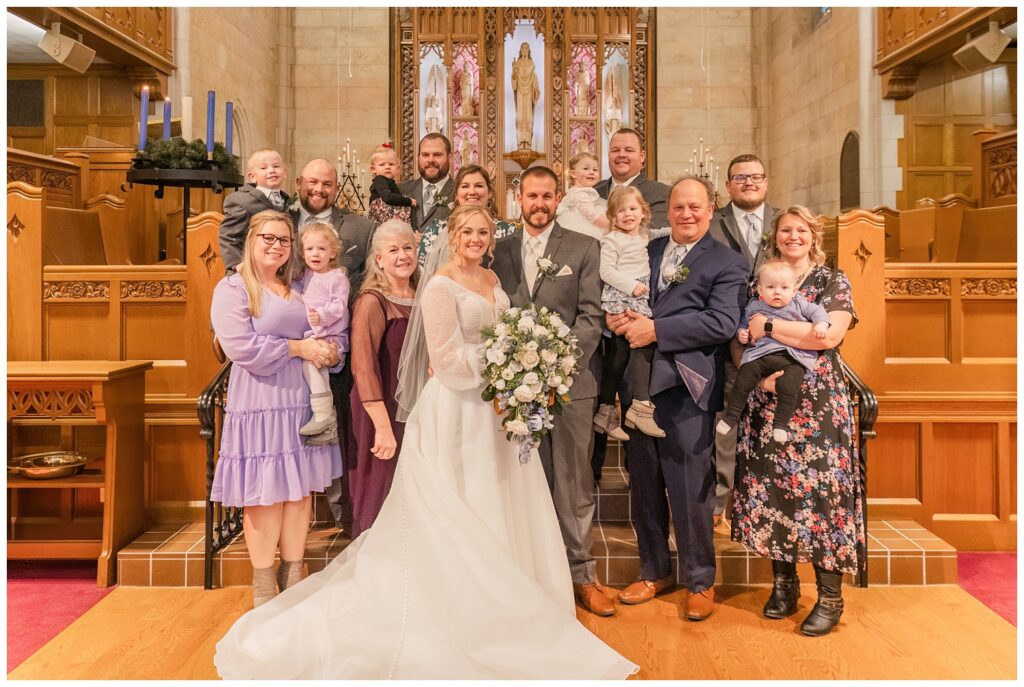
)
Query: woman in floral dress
[{"x": 799, "y": 501}]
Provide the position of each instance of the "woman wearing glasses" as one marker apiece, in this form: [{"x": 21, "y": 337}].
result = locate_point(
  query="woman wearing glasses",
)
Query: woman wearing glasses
[{"x": 259, "y": 318}]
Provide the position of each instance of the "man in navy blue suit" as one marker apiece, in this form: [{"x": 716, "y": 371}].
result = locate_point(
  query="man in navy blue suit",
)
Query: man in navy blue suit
[{"x": 698, "y": 287}]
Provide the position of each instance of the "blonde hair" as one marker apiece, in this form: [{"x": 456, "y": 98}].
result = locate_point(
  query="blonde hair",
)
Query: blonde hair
[
  {"x": 458, "y": 219},
  {"x": 816, "y": 255},
  {"x": 327, "y": 230},
  {"x": 247, "y": 271},
  {"x": 775, "y": 265},
  {"x": 383, "y": 149},
  {"x": 618, "y": 197},
  {"x": 374, "y": 277},
  {"x": 578, "y": 157},
  {"x": 260, "y": 151}
]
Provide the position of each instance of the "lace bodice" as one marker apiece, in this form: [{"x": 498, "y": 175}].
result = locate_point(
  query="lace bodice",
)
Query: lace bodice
[{"x": 453, "y": 318}]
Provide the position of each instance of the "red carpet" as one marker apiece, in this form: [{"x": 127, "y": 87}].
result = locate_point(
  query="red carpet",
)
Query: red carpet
[
  {"x": 44, "y": 597},
  {"x": 991, "y": 578}
]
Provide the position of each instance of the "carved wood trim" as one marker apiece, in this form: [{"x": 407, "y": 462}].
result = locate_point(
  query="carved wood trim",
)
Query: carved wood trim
[
  {"x": 58, "y": 180},
  {"x": 15, "y": 227},
  {"x": 151, "y": 290},
  {"x": 916, "y": 287},
  {"x": 558, "y": 141},
  {"x": 20, "y": 173},
  {"x": 76, "y": 290},
  {"x": 988, "y": 287},
  {"x": 50, "y": 403},
  {"x": 489, "y": 152}
]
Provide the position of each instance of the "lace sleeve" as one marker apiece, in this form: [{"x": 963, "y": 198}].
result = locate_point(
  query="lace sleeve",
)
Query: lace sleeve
[{"x": 456, "y": 363}]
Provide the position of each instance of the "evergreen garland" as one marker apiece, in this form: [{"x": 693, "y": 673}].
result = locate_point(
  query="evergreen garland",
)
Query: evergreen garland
[{"x": 177, "y": 153}]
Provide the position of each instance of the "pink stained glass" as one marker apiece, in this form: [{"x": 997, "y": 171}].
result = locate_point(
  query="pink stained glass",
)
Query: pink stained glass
[
  {"x": 581, "y": 81},
  {"x": 465, "y": 80},
  {"x": 581, "y": 138}
]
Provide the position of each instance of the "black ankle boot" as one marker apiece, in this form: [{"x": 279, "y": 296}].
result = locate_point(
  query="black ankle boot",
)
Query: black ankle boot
[
  {"x": 785, "y": 591},
  {"x": 829, "y": 608}
]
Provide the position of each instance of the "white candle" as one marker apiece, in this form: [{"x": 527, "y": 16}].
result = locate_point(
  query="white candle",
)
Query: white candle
[{"x": 186, "y": 118}]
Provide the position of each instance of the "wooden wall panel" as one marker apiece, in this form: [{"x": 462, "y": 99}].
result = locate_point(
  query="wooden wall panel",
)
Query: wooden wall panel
[
  {"x": 894, "y": 462},
  {"x": 79, "y": 331},
  {"x": 960, "y": 471},
  {"x": 984, "y": 332},
  {"x": 154, "y": 331},
  {"x": 178, "y": 464},
  {"x": 917, "y": 330},
  {"x": 1013, "y": 468}
]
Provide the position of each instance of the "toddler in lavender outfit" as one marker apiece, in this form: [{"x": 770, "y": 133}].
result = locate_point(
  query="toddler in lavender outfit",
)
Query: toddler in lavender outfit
[
  {"x": 325, "y": 292},
  {"x": 778, "y": 299}
]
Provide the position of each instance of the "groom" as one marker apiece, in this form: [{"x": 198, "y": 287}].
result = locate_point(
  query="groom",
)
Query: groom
[
  {"x": 570, "y": 286},
  {"x": 698, "y": 288}
]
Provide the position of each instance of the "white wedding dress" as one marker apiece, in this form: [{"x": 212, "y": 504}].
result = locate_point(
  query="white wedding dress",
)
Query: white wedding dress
[{"x": 463, "y": 574}]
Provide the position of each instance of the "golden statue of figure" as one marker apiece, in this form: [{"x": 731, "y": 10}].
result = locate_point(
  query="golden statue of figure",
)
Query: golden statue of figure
[
  {"x": 582, "y": 91},
  {"x": 526, "y": 89}
]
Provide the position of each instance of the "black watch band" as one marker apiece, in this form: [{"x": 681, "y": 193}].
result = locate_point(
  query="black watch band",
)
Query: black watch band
[{"x": 768, "y": 327}]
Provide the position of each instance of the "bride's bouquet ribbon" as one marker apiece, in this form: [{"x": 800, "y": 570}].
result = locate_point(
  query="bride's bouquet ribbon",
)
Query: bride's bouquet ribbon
[{"x": 529, "y": 358}]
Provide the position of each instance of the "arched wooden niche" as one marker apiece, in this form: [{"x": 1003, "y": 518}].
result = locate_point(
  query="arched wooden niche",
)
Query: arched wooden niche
[
  {"x": 849, "y": 173},
  {"x": 587, "y": 71}
]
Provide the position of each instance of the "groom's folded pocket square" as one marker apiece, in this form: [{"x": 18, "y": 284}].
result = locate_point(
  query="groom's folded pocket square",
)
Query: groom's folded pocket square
[{"x": 564, "y": 272}]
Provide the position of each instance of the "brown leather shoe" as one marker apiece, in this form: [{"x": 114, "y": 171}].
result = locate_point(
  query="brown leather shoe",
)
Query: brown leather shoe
[
  {"x": 591, "y": 596},
  {"x": 644, "y": 590},
  {"x": 700, "y": 604}
]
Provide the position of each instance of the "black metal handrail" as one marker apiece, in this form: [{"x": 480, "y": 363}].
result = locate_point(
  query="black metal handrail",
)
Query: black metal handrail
[
  {"x": 222, "y": 523},
  {"x": 867, "y": 413}
]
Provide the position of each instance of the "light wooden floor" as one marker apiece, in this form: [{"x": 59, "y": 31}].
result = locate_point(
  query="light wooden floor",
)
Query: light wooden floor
[{"x": 921, "y": 632}]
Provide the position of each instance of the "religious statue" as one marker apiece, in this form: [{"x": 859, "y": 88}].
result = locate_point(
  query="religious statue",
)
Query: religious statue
[
  {"x": 466, "y": 92},
  {"x": 612, "y": 103},
  {"x": 526, "y": 89},
  {"x": 433, "y": 104},
  {"x": 466, "y": 150},
  {"x": 582, "y": 90}
]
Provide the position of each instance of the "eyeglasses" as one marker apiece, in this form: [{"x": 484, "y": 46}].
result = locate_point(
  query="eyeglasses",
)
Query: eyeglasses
[
  {"x": 742, "y": 178},
  {"x": 271, "y": 239}
]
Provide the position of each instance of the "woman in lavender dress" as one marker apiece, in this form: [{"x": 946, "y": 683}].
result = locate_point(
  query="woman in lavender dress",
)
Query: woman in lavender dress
[
  {"x": 381, "y": 316},
  {"x": 259, "y": 318}
]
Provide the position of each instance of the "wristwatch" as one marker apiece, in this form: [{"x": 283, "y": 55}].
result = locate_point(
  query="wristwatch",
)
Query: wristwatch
[{"x": 768, "y": 327}]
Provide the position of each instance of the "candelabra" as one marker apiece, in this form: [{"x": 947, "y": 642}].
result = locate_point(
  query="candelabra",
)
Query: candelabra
[
  {"x": 702, "y": 165},
  {"x": 350, "y": 181}
]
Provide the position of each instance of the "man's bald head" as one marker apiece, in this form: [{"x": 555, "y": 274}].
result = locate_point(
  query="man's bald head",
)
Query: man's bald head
[{"x": 317, "y": 185}]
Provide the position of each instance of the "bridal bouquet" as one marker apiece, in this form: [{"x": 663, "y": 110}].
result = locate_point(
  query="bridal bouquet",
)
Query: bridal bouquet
[{"x": 529, "y": 360}]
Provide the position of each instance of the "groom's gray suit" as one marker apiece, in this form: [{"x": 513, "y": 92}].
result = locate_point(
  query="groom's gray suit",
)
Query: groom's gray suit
[{"x": 574, "y": 292}]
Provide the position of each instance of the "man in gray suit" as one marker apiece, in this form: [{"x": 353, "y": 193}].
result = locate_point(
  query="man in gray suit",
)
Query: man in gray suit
[
  {"x": 434, "y": 191},
  {"x": 739, "y": 225},
  {"x": 572, "y": 288},
  {"x": 317, "y": 188},
  {"x": 626, "y": 158}
]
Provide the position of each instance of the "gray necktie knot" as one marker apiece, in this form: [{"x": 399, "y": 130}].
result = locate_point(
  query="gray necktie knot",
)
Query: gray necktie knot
[{"x": 277, "y": 199}]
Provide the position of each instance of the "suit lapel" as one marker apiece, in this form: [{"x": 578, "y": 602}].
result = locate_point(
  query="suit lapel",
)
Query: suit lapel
[
  {"x": 656, "y": 251},
  {"x": 733, "y": 229},
  {"x": 514, "y": 245},
  {"x": 769, "y": 216},
  {"x": 549, "y": 252},
  {"x": 695, "y": 253}
]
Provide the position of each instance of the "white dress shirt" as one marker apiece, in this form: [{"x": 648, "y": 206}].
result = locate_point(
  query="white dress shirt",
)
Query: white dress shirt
[{"x": 666, "y": 260}]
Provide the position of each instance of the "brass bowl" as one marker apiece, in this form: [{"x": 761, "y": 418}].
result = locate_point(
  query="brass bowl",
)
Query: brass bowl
[{"x": 51, "y": 465}]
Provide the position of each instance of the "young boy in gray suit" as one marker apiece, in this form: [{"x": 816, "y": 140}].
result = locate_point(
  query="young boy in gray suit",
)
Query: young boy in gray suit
[{"x": 265, "y": 174}]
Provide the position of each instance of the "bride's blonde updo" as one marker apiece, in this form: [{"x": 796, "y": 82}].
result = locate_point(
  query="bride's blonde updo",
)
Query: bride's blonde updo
[{"x": 458, "y": 219}]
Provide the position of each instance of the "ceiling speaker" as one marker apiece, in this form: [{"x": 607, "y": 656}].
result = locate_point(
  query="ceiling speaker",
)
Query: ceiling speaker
[
  {"x": 984, "y": 49},
  {"x": 66, "y": 50}
]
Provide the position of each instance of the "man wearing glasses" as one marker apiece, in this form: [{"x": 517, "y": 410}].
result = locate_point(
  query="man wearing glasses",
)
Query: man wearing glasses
[{"x": 739, "y": 225}]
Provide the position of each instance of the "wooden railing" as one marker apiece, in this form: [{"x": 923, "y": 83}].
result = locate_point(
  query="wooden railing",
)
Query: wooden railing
[
  {"x": 995, "y": 179},
  {"x": 59, "y": 179}
]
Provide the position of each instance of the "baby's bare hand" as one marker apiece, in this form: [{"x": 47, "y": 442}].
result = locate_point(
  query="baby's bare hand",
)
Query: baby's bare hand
[
  {"x": 640, "y": 290},
  {"x": 313, "y": 317},
  {"x": 743, "y": 336},
  {"x": 820, "y": 330}
]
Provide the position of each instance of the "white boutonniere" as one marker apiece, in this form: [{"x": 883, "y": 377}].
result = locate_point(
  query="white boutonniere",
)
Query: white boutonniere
[
  {"x": 547, "y": 267},
  {"x": 441, "y": 199},
  {"x": 677, "y": 275},
  {"x": 294, "y": 205}
]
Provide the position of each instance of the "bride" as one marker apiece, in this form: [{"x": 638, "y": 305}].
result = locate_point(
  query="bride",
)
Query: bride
[{"x": 463, "y": 574}]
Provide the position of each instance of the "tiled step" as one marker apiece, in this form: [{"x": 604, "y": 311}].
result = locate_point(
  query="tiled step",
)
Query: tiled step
[{"x": 900, "y": 552}]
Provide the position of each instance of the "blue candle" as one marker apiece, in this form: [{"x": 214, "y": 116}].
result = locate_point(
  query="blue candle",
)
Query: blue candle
[
  {"x": 228, "y": 126},
  {"x": 143, "y": 118},
  {"x": 210, "y": 114},
  {"x": 167, "y": 119}
]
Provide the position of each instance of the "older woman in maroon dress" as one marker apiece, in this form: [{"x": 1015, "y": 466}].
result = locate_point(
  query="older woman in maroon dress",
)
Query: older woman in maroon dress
[{"x": 380, "y": 317}]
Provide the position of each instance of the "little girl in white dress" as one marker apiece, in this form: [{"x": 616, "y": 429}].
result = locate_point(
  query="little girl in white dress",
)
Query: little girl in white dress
[{"x": 581, "y": 208}]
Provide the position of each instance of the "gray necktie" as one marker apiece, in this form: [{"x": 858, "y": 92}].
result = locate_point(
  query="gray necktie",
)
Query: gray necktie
[
  {"x": 530, "y": 264},
  {"x": 276, "y": 200},
  {"x": 753, "y": 233},
  {"x": 428, "y": 198},
  {"x": 678, "y": 255}
]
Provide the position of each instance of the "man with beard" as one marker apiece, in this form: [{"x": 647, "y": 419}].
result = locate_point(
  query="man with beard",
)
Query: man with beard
[
  {"x": 317, "y": 188},
  {"x": 626, "y": 158},
  {"x": 739, "y": 225},
  {"x": 570, "y": 286},
  {"x": 434, "y": 191}
]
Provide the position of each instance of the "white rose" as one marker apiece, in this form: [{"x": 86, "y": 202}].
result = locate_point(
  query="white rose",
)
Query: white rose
[
  {"x": 544, "y": 264},
  {"x": 562, "y": 389},
  {"x": 555, "y": 320},
  {"x": 563, "y": 331},
  {"x": 549, "y": 356},
  {"x": 525, "y": 325},
  {"x": 496, "y": 356},
  {"x": 513, "y": 401},
  {"x": 524, "y": 393},
  {"x": 530, "y": 359},
  {"x": 517, "y": 427},
  {"x": 530, "y": 378},
  {"x": 531, "y": 345},
  {"x": 499, "y": 385},
  {"x": 501, "y": 329},
  {"x": 515, "y": 367},
  {"x": 537, "y": 389},
  {"x": 567, "y": 364},
  {"x": 554, "y": 381},
  {"x": 507, "y": 374},
  {"x": 568, "y": 382}
]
